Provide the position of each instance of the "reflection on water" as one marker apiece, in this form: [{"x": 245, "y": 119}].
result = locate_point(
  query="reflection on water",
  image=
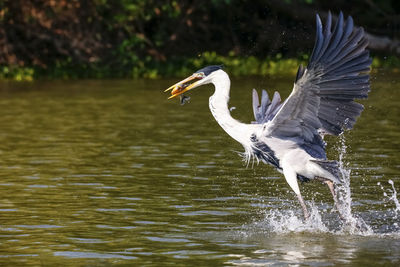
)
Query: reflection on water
[{"x": 110, "y": 172}]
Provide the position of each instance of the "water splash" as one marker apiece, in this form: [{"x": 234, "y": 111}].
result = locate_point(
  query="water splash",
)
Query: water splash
[
  {"x": 353, "y": 224},
  {"x": 284, "y": 221},
  {"x": 288, "y": 221},
  {"x": 393, "y": 197}
]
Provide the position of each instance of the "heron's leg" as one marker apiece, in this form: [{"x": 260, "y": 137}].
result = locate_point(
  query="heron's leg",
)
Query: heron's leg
[
  {"x": 303, "y": 206},
  {"x": 331, "y": 187},
  {"x": 291, "y": 179}
]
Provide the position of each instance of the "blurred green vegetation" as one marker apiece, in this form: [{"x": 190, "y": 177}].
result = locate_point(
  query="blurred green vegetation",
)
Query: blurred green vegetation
[
  {"x": 238, "y": 66},
  {"x": 150, "y": 39}
]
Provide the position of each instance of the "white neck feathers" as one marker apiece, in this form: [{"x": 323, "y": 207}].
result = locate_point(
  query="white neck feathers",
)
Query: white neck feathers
[{"x": 219, "y": 108}]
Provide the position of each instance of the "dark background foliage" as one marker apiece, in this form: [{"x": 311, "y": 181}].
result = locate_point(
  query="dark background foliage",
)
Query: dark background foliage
[{"x": 117, "y": 38}]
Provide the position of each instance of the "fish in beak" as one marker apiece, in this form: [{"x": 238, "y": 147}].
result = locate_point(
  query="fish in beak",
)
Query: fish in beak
[{"x": 185, "y": 85}]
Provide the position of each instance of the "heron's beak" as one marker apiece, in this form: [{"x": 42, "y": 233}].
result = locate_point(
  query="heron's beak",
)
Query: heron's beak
[{"x": 184, "y": 85}]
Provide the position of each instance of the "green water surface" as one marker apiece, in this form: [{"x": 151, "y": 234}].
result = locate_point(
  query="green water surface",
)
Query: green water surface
[{"x": 99, "y": 173}]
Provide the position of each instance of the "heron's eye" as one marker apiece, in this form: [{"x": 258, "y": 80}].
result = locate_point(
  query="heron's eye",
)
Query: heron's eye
[{"x": 201, "y": 75}]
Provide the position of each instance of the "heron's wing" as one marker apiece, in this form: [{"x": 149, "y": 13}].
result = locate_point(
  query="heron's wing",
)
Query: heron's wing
[
  {"x": 267, "y": 109},
  {"x": 323, "y": 94}
]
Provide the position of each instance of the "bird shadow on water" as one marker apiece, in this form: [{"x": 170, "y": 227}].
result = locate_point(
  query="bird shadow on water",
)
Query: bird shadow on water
[{"x": 287, "y": 221}]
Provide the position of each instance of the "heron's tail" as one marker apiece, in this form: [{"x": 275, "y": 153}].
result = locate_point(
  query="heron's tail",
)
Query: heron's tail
[{"x": 332, "y": 166}]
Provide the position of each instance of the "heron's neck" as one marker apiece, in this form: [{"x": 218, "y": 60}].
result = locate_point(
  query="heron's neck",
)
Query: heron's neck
[{"x": 219, "y": 108}]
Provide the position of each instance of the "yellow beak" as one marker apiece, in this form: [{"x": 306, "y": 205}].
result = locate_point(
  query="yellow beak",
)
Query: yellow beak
[{"x": 183, "y": 86}]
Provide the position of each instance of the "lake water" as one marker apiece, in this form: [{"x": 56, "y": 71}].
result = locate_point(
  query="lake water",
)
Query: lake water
[{"x": 96, "y": 173}]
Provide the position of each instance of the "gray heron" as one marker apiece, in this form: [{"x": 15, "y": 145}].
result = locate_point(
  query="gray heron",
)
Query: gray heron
[{"x": 289, "y": 135}]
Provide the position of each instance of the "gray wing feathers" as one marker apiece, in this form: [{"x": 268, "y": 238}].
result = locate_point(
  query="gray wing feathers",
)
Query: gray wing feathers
[
  {"x": 343, "y": 77},
  {"x": 267, "y": 110},
  {"x": 297, "y": 117},
  {"x": 256, "y": 106},
  {"x": 264, "y": 102},
  {"x": 274, "y": 107},
  {"x": 324, "y": 93}
]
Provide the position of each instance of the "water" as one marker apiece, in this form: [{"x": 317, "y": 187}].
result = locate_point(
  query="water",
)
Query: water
[{"x": 110, "y": 172}]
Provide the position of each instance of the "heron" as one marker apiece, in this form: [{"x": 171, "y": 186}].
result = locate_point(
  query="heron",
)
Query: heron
[{"x": 289, "y": 135}]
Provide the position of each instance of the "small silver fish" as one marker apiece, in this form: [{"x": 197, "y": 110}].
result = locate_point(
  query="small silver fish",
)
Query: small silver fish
[{"x": 184, "y": 99}]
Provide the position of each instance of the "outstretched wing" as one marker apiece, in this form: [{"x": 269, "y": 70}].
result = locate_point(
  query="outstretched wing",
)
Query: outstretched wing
[
  {"x": 323, "y": 94},
  {"x": 267, "y": 109}
]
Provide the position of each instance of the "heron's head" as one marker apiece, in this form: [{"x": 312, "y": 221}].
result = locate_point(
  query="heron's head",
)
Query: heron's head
[{"x": 200, "y": 77}]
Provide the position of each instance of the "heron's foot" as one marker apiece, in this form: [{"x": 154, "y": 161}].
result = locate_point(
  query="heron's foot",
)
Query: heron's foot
[
  {"x": 304, "y": 207},
  {"x": 336, "y": 210},
  {"x": 307, "y": 215},
  {"x": 341, "y": 215}
]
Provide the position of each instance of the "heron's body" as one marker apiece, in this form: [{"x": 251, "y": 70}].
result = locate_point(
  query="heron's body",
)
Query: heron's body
[
  {"x": 284, "y": 154},
  {"x": 289, "y": 135}
]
